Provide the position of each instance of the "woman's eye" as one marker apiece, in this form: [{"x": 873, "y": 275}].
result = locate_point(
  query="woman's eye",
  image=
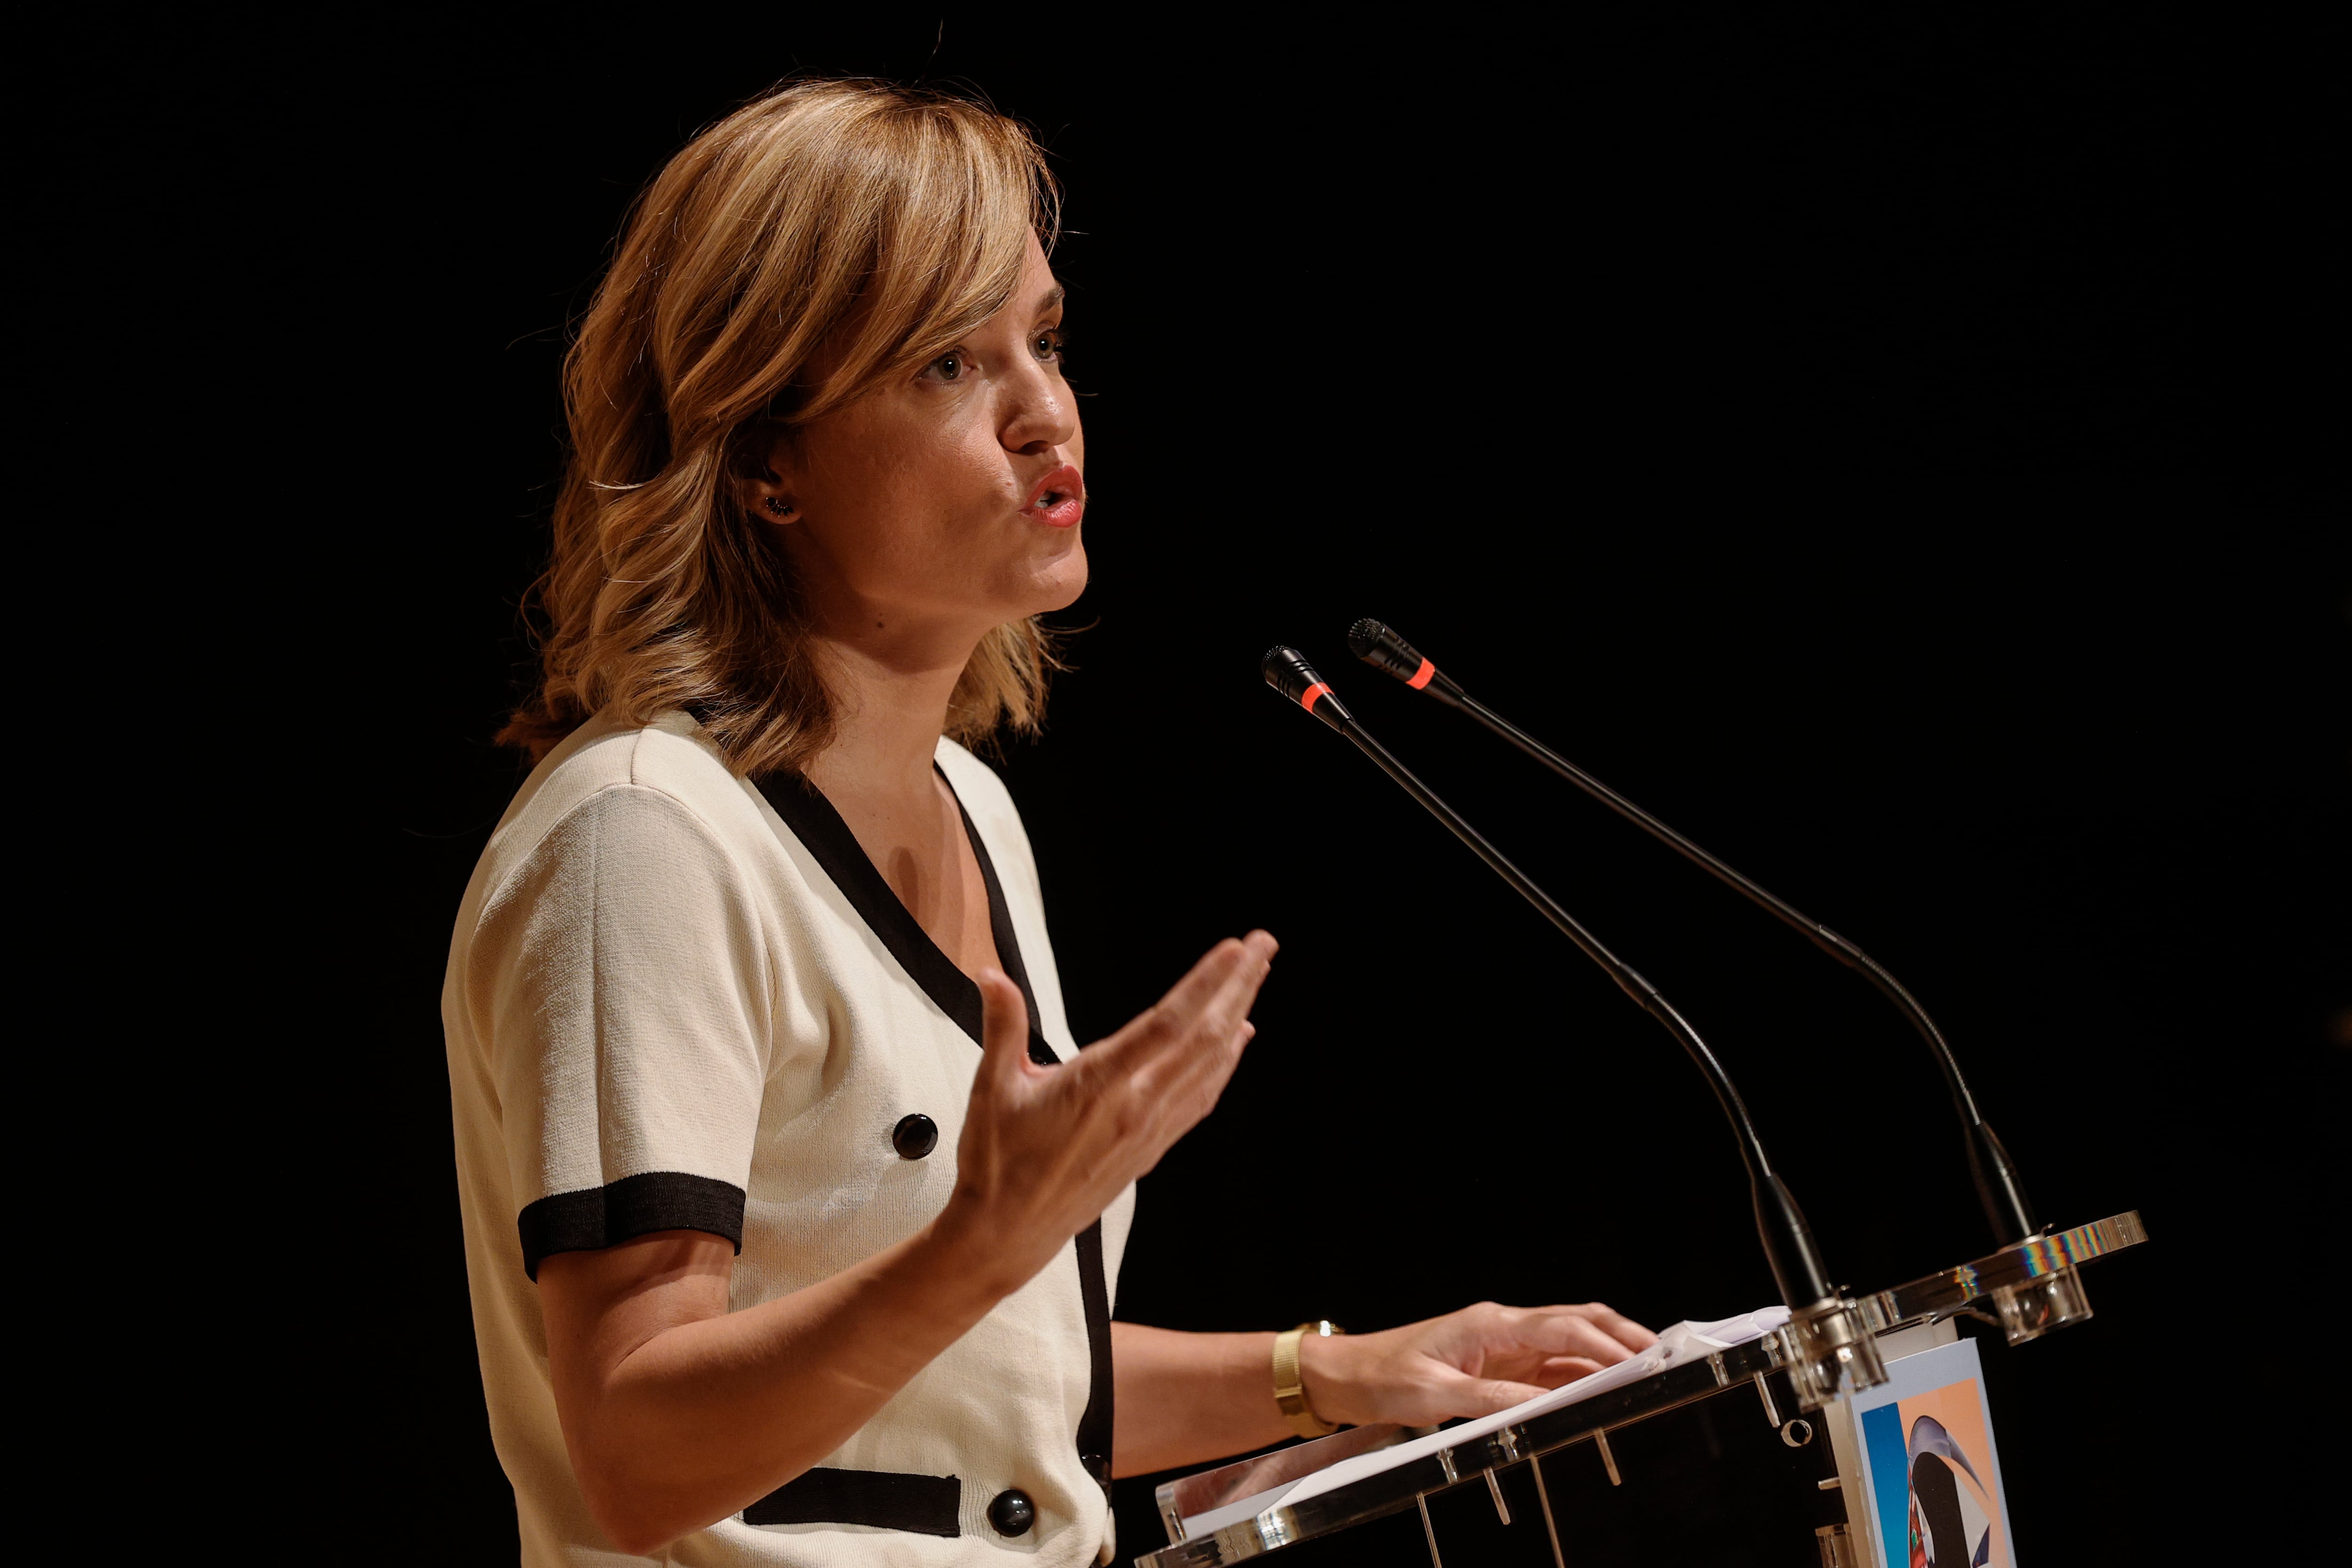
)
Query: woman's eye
[
  {"x": 949, "y": 367},
  {"x": 1047, "y": 346}
]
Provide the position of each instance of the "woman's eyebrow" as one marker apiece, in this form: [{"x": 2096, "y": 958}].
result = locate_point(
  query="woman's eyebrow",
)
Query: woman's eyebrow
[{"x": 1052, "y": 301}]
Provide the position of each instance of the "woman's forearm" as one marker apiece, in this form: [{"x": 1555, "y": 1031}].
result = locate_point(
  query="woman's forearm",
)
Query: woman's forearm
[
  {"x": 677, "y": 1412},
  {"x": 1185, "y": 1399}
]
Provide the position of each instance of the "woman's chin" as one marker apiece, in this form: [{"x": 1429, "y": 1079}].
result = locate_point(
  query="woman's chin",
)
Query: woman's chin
[{"x": 1060, "y": 581}]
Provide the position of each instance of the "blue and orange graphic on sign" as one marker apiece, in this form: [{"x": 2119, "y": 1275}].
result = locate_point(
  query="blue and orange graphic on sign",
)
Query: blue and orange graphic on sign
[{"x": 1935, "y": 1486}]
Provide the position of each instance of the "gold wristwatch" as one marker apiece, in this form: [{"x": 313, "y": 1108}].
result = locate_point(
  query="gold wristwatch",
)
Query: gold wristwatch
[{"x": 1290, "y": 1383}]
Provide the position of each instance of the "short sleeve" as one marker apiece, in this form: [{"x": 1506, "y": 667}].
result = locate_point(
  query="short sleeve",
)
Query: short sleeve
[{"x": 623, "y": 983}]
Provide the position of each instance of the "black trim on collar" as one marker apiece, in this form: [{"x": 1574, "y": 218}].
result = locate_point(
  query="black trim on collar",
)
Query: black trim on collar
[
  {"x": 604, "y": 1217},
  {"x": 1008, "y": 944},
  {"x": 821, "y": 830},
  {"x": 884, "y": 1500}
]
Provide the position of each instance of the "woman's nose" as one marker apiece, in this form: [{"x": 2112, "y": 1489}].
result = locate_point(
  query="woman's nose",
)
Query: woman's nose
[{"x": 1041, "y": 416}]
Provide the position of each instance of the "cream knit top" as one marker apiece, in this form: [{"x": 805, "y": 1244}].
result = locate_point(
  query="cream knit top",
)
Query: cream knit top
[{"x": 679, "y": 999}]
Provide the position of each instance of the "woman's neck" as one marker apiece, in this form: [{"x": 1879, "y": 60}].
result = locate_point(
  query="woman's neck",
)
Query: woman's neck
[{"x": 890, "y": 696}]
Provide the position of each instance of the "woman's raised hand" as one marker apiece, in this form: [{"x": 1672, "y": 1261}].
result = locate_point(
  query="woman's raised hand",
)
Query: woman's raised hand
[{"x": 1045, "y": 1149}]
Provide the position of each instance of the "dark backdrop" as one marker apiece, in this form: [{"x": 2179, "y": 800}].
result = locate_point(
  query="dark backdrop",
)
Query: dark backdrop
[{"x": 1893, "y": 455}]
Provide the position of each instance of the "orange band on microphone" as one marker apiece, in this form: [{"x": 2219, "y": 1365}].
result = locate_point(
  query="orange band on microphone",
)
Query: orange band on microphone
[
  {"x": 1421, "y": 676},
  {"x": 1314, "y": 691}
]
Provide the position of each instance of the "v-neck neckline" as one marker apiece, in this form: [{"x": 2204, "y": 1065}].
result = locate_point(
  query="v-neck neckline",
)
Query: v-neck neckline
[{"x": 818, "y": 824}]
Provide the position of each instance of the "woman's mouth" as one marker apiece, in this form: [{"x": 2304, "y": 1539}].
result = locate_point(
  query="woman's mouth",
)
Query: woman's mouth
[{"x": 1059, "y": 499}]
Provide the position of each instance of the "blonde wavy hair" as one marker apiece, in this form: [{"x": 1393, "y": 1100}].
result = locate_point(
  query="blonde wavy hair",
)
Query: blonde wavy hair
[{"x": 804, "y": 250}]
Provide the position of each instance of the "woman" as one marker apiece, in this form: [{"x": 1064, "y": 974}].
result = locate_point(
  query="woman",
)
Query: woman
[{"x": 792, "y": 1211}]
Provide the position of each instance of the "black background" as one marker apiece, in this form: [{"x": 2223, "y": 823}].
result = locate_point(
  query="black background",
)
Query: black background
[{"x": 1900, "y": 456}]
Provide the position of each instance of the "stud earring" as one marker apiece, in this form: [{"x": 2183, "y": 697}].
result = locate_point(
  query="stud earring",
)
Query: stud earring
[{"x": 778, "y": 505}]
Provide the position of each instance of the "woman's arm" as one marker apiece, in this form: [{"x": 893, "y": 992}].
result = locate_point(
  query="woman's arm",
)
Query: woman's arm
[
  {"x": 677, "y": 1412},
  {"x": 1185, "y": 1399}
]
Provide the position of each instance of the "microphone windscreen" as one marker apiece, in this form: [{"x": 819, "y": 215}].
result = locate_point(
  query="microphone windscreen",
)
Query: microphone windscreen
[
  {"x": 1286, "y": 670},
  {"x": 1382, "y": 649}
]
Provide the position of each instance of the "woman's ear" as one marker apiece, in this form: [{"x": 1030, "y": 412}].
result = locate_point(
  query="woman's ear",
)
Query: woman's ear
[{"x": 767, "y": 479}]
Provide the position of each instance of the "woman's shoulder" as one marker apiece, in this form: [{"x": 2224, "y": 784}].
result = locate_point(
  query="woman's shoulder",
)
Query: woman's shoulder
[{"x": 668, "y": 759}]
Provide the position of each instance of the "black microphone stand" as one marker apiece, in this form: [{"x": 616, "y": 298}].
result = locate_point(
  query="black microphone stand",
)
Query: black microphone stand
[
  {"x": 1827, "y": 1334},
  {"x": 1999, "y": 1186}
]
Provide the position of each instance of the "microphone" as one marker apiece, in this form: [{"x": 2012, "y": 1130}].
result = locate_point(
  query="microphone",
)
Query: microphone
[
  {"x": 1828, "y": 1333},
  {"x": 1999, "y": 1186}
]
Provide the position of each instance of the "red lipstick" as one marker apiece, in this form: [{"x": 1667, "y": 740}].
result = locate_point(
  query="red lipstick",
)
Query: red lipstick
[{"x": 1059, "y": 499}]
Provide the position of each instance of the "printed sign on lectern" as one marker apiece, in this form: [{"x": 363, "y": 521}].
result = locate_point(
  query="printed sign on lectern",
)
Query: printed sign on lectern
[{"x": 1931, "y": 1476}]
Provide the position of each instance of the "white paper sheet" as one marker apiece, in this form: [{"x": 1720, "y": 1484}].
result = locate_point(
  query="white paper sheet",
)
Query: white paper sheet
[{"x": 1675, "y": 1345}]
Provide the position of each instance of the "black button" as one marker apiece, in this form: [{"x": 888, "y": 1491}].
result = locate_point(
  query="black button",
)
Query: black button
[
  {"x": 914, "y": 1137},
  {"x": 1011, "y": 1512}
]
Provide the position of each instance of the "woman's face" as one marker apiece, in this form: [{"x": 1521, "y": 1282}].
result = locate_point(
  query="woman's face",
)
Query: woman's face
[{"x": 948, "y": 502}]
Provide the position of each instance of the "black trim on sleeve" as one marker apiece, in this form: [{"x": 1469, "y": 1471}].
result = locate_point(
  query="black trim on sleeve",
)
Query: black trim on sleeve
[
  {"x": 634, "y": 1206},
  {"x": 886, "y": 1499},
  {"x": 821, "y": 830}
]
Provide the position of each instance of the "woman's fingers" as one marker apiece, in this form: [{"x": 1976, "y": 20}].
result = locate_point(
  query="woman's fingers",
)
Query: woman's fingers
[
  {"x": 1595, "y": 1343},
  {"x": 1614, "y": 1324},
  {"x": 1045, "y": 1145},
  {"x": 1560, "y": 1369},
  {"x": 1043, "y": 1149},
  {"x": 1570, "y": 1334},
  {"x": 1590, "y": 1330},
  {"x": 1213, "y": 998},
  {"x": 1174, "y": 1091},
  {"x": 1217, "y": 992},
  {"x": 1168, "y": 1066}
]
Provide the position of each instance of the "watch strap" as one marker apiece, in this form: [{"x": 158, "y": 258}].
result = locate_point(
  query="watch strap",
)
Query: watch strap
[{"x": 1290, "y": 1383}]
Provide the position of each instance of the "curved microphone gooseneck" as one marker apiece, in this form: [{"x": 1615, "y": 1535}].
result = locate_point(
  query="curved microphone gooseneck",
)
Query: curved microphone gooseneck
[
  {"x": 1789, "y": 1245},
  {"x": 1998, "y": 1184}
]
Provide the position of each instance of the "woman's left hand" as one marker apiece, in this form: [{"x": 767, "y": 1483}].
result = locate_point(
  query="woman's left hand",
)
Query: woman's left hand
[{"x": 1474, "y": 1362}]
